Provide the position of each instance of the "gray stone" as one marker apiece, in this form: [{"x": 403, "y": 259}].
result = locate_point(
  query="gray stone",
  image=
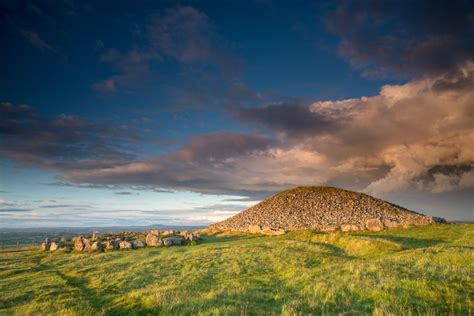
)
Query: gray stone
[{"x": 138, "y": 244}]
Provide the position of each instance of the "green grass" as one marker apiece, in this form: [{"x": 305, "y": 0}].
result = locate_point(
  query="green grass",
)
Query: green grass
[{"x": 421, "y": 270}]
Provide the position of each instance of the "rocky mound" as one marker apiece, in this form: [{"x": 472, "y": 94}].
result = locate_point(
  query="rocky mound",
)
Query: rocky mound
[{"x": 322, "y": 208}]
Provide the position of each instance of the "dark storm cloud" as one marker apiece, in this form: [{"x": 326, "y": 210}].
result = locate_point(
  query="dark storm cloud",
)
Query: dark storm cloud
[
  {"x": 204, "y": 165},
  {"x": 290, "y": 118},
  {"x": 408, "y": 38},
  {"x": 62, "y": 143}
]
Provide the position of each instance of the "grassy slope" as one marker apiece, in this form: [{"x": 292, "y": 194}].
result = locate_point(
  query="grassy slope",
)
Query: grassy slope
[{"x": 426, "y": 270}]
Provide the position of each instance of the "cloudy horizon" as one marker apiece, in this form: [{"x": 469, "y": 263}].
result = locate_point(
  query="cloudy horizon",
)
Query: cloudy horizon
[{"x": 189, "y": 112}]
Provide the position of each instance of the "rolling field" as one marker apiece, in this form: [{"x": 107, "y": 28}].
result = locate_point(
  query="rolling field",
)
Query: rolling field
[{"x": 419, "y": 270}]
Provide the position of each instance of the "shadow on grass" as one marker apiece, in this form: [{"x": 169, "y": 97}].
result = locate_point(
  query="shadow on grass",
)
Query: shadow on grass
[
  {"x": 210, "y": 239},
  {"x": 406, "y": 242}
]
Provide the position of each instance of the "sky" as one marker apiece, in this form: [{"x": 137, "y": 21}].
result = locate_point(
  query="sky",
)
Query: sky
[{"x": 187, "y": 112}]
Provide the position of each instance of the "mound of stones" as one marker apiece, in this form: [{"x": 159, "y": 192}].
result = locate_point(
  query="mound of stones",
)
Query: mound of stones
[
  {"x": 324, "y": 209},
  {"x": 123, "y": 241}
]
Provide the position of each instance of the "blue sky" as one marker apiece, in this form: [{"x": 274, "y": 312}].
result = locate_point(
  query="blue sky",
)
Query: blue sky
[{"x": 187, "y": 112}]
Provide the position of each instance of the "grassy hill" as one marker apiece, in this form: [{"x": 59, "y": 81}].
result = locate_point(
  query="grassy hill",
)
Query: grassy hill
[{"x": 425, "y": 270}]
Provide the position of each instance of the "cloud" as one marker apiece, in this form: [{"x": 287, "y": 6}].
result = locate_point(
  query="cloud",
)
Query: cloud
[
  {"x": 126, "y": 193},
  {"x": 203, "y": 165},
  {"x": 35, "y": 40},
  {"x": 413, "y": 136},
  {"x": 410, "y": 38},
  {"x": 291, "y": 117},
  {"x": 62, "y": 143}
]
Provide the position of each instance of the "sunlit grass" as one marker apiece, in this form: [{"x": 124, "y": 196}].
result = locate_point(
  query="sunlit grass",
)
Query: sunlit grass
[{"x": 426, "y": 270}]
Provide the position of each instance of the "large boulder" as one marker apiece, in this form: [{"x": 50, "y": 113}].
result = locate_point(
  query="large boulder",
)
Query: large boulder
[
  {"x": 78, "y": 243},
  {"x": 97, "y": 246},
  {"x": 125, "y": 245},
  {"x": 45, "y": 245},
  {"x": 87, "y": 244},
  {"x": 174, "y": 240},
  {"x": 374, "y": 225},
  {"x": 254, "y": 229},
  {"x": 153, "y": 240},
  {"x": 349, "y": 228},
  {"x": 138, "y": 244},
  {"x": 55, "y": 245}
]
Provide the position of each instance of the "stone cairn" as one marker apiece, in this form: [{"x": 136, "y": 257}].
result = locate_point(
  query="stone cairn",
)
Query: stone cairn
[
  {"x": 123, "y": 241},
  {"x": 321, "y": 208}
]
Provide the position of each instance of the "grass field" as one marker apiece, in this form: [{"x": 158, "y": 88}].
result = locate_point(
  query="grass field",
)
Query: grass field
[{"x": 420, "y": 270}]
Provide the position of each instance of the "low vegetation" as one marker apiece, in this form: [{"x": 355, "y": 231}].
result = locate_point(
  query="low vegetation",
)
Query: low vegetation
[{"x": 426, "y": 269}]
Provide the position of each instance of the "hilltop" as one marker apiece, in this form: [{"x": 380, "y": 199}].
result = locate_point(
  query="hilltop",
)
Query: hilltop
[{"x": 325, "y": 209}]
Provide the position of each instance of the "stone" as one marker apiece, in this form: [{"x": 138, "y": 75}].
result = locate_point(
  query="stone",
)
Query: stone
[
  {"x": 374, "y": 225},
  {"x": 138, "y": 244},
  {"x": 96, "y": 236},
  {"x": 55, "y": 245},
  {"x": 125, "y": 245},
  {"x": 349, "y": 228},
  {"x": 254, "y": 229},
  {"x": 64, "y": 249},
  {"x": 391, "y": 224},
  {"x": 78, "y": 243},
  {"x": 97, "y": 246},
  {"x": 174, "y": 240},
  {"x": 112, "y": 244},
  {"x": 44, "y": 246},
  {"x": 170, "y": 232},
  {"x": 87, "y": 244},
  {"x": 152, "y": 240}
]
